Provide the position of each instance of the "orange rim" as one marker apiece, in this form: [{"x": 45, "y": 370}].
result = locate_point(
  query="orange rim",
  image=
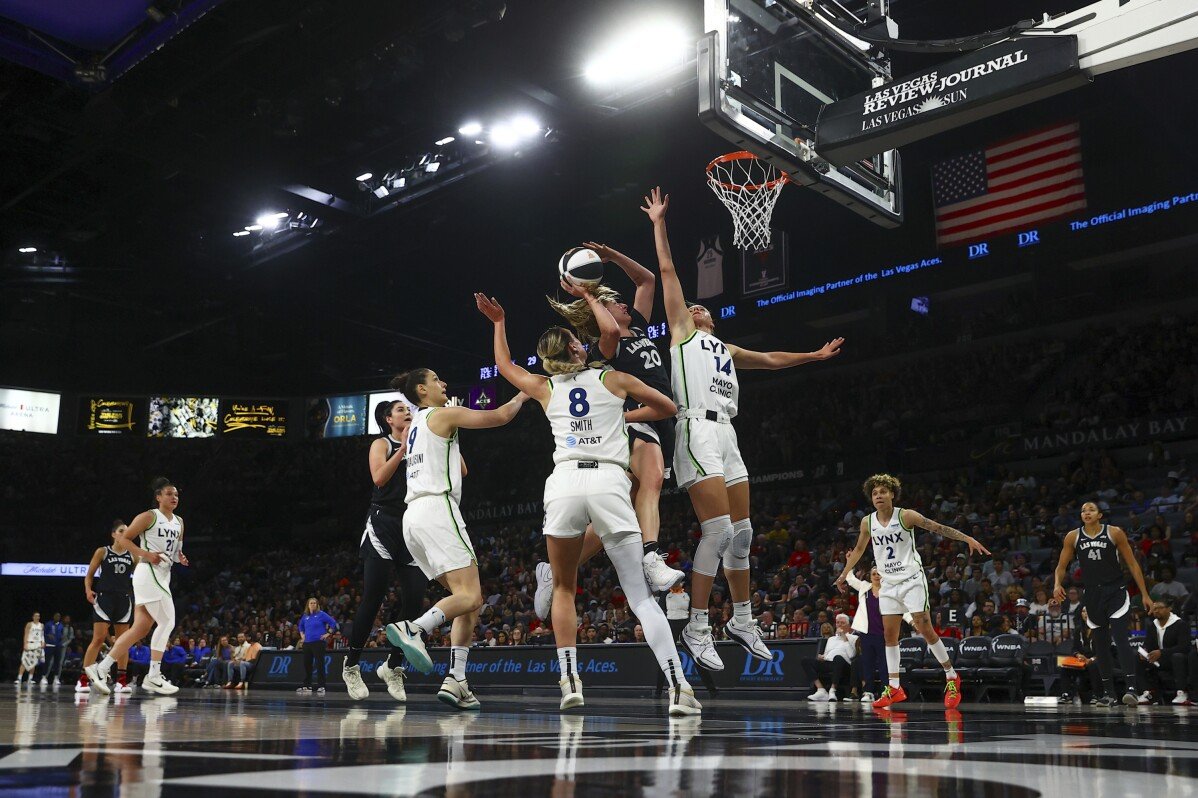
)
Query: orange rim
[{"x": 743, "y": 155}]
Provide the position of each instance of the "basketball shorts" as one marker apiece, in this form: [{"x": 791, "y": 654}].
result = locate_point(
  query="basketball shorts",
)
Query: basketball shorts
[
  {"x": 660, "y": 433},
  {"x": 910, "y": 595},
  {"x": 707, "y": 449},
  {"x": 435, "y": 533},
  {"x": 383, "y": 537},
  {"x": 112, "y": 608},
  {"x": 1104, "y": 602},
  {"x": 597, "y": 494},
  {"x": 151, "y": 583},
  {"x": 30, "y": 658}
]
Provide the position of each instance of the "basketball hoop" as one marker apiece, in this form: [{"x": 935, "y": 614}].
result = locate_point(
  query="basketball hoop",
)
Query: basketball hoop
[{"x": 749, "y": 188}]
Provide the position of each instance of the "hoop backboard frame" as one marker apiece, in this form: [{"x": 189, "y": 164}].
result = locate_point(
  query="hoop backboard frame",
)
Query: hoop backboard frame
[{"x": 752, "y": 120}]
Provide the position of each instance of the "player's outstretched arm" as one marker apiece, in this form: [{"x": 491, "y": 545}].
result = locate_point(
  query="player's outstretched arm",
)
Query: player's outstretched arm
[
  {"x": 853, "y": 556},
  {"x": 644, "y": 280},
  {"x": 1058, "y": 576},
  {"x": 609, "y": 331},
  {"x": 535, "y": 386},
  {"x": 677, "y": 314},
  {"x": 911, "y": 519},
  {"x": 448, "y": 419},
  {"x": 656, "y": 404},
  {"x": 748, "y": 359},
  {"x": 1133, "y": 565}
]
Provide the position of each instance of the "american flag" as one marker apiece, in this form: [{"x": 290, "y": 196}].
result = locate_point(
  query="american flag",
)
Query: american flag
[{"x": 1009, "y": 186}]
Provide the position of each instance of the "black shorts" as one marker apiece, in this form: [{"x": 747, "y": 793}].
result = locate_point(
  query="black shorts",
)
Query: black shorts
[
  {"x": 659, "y": 433},
  {"x": 113, "y": 608},
  {"x": 1105, "y": 602},
  {"x": 383, "y": 537}
]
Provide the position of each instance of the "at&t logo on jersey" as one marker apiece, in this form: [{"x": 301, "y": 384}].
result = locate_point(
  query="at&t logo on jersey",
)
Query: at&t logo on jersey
[{"x": 571, "y": 441}]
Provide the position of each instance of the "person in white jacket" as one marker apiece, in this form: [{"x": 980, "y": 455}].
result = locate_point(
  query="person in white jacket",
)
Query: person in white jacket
[
  {"x": 835, "y": 663},
  {"x": 867, "y": 623}
]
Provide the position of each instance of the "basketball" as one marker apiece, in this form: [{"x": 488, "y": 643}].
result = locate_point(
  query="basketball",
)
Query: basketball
[{"x": 582, "y": 267}]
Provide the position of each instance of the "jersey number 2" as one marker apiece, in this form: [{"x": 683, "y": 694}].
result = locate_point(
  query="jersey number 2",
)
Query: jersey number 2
[
  {"x": 890, "y": 552},
  {"x": 579, "y": 406}
]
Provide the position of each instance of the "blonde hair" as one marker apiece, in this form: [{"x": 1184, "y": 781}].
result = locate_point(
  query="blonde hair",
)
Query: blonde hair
[
  {"x": 578, "y": 313},
  {"x": 886, "y": 481},
  {"x": 554, "y": 351}
]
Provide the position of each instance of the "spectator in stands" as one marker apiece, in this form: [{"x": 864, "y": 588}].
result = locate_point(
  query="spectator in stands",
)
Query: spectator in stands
[
  {"x": 1023, "y": 621},
  {"x": 139, "y": 660},
  {"x": 1073, "y": 605},
  {"x": 218, "y": 663},
  {"x": 502, "y": 639},
  {"x": 174, "y": 660},
  {"x": 767, "y": 624},
  {"x": 867, "y": 624},
  {"x": 833, "y": 666},
  {"x": 1039, "y": 603},
  {"x": 1163, "y": 661},
  {"x": 1001, "y": 579},
  {"x": 1169, "y": 587},
  {"x": 1085, "y": 681},
  {"x": 236, "y": 657},
  {"x": 799, "y": 558}
]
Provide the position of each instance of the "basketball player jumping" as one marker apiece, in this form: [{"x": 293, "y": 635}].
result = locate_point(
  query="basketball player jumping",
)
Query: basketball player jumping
[
  {"x": 707, "y": 461},
  {"x": 434, "y": 529},
  {"x": 599, "y": 317},
  {"x": 891, "y": 530},
  {"x": 160, "y": 533},
  {"x": 1101, "y": 551},
  {"x": 111, "y": 595},
  {"x": 587, "y": 414},
  {"x": 384, "y": 553}
]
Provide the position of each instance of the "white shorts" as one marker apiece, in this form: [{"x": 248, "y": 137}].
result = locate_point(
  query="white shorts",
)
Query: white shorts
[
  {"x": 435, "y": 533},
  {"x": 575, "y": 497},
  {"x": 910, "y": 595},
  {"x": 705, "y": 449},
  {"x": 151, "y": 583},
  {"x": 30, "y": 658}
]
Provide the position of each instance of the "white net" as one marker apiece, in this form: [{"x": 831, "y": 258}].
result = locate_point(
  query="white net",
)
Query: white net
[{"x": 749, "y": 188}]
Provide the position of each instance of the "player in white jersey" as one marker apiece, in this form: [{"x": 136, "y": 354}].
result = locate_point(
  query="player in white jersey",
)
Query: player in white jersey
[
  {"x": 590, "y": 485},
  {"x": 891, "y": 532},
  {"x": 434, "y": 529},
  {"x": 33, "y": 648},
  {"x": 155, "y": 539},
  {"x": 707, "y": 461}
]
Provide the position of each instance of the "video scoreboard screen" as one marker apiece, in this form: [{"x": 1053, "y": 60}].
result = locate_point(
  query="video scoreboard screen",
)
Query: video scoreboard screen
[
  {"x": 254, "y": 418},
  {"x": 183, "y": 417},
  {"x": 112, "y": 415}
]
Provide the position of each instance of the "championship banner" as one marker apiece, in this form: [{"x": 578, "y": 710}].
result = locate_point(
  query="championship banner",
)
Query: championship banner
[
  {"x": 975, "y": 86},
  {"x": 336, "y": 416},
  {"x": 254, "y": 418},
  {"x": 709, "y": 265},
  {"x": 630, "y": 665},
  {"x": 102, "y": 415},
  {"x": 29, "y": 411}
]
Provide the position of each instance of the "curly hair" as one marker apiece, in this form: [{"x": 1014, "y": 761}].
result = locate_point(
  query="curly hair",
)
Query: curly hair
[
  {"x": 579, "y": 316},
  {"x": 885, "y": 480}
]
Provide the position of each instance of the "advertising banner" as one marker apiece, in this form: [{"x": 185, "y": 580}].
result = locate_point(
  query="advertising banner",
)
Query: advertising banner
[
  {"x": 254, "y": 418},
  {"x": 618, "y": 665},
  {"x": 337, "y": 416},
  {"x": 29, "y": 411},
  {"x": 108, "y": 415},
  {"x": 71, "y": 570}
]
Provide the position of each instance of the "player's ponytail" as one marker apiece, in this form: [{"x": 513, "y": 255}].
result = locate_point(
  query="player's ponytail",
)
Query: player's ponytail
[
  {"x": 554, "y": 351},
  {"x": 579, "y": 316},
  {"x": 407, "y": 384},
  {"x": 159, "y": 484}
]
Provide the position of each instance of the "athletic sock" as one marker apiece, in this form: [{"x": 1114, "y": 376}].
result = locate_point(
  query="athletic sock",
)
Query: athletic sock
[
  {"x": 433, "y": 619},
  {"x": 155, "y": 668},
  {"x": 951, "y": 673},
  {"x": 457, "y": 662},
  {"x": 672, "y": 667},
  {"x": 567, "y": 660},
  {"x": 699, "y": 618},
  {"x": 742, "y": 612},
  {"x": 105, "y": 664},
  {"x": 651, "y": 547},
  {"x": 893, "y": 657},
  {"x": 938, "y": 650}
]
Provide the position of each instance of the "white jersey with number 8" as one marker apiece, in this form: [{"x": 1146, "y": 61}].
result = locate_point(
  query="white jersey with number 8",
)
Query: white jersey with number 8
[
  {"x": 704, "y": 376},
  {"x": 587, "y": 419}
]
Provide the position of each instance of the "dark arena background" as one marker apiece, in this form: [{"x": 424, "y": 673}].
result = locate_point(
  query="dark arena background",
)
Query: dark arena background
[{"x": 225, "y": 226}]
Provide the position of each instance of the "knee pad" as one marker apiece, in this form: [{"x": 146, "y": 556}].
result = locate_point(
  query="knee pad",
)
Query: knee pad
[
  {"x": 717, "y": 535},
  {"x": 736, "y": 558}
]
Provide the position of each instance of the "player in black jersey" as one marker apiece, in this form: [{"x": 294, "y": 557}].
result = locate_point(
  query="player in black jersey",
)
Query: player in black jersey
[
  {"x": 111, "y": 596},
  {"x": 384, "y": 553},
  {"x": 600, "y": 318},
  {"x": 1102, "y": 551}
]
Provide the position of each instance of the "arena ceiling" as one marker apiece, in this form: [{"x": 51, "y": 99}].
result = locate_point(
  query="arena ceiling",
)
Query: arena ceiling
[{"x": 131, "y": 187}]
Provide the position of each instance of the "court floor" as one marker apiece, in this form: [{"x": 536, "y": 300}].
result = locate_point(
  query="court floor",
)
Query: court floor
[{"x": 206, "y": 743}]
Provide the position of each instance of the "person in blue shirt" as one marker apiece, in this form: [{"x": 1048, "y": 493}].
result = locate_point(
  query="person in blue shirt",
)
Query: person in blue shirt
[
  {"x": 139, "y": 659},
  {"x": 316, "y": 626},
  {"x": 174, "y": 660},
  {"x": 54, "y": 650},
  {"x": 218, "y": 661}
]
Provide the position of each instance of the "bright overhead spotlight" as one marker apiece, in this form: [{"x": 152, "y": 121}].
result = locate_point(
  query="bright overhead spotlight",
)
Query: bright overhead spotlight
[
  {"x": 640, "y": 53},
  {"x": 281, "y": 215},
  {"x": 241, "y": 233},
  {"x": 444, "y": 141},
  {"x": 27, "y": 250},
  {"x": 471, "y": 129},
  {"x": 253, "y": 227},
  {"x": 525, "y": 126},
  {"x": 268, "y": 221},
  {"x": 362, "y": 178},
  {"x": 504, "y": 136},
  {"x": 380, "y": 192}
]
